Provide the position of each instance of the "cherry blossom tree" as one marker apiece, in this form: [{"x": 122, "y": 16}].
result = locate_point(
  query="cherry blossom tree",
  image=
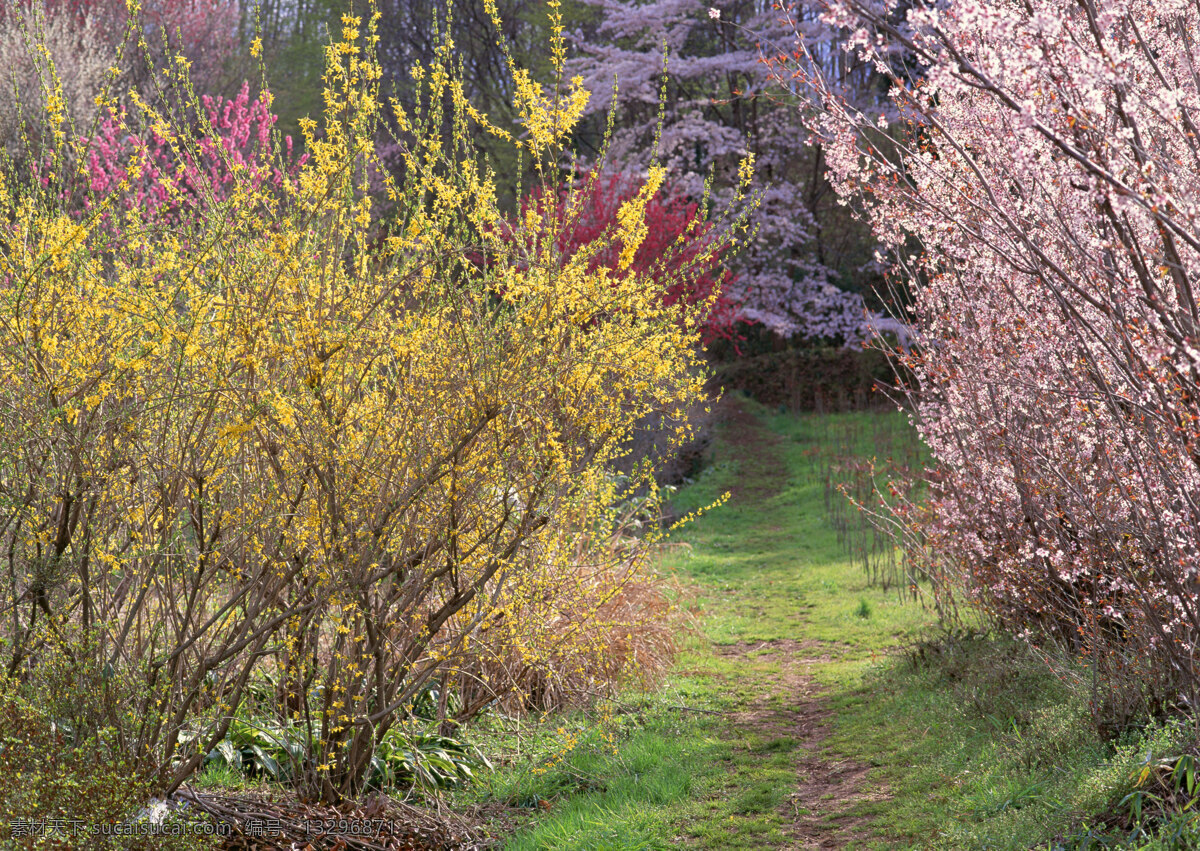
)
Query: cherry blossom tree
[{"x": 1039, "y": 187}]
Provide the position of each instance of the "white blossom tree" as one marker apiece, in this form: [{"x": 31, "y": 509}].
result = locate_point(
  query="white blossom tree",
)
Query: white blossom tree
[{"x": 718, "y": 104}]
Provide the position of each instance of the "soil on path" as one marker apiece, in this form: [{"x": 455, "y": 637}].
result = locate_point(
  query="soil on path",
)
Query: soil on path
[{"x": 816, "y": 812}]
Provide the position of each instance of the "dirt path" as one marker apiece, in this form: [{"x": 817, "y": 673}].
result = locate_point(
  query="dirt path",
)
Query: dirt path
[{"x": 793, "y": 703}]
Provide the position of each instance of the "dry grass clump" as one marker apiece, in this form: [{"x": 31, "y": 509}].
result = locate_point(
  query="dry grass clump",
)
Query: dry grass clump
[{"x": 570, "y": 631}]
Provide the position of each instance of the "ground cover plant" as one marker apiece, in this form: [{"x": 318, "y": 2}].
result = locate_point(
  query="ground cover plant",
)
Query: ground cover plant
[{"x": 248, "y": 439}]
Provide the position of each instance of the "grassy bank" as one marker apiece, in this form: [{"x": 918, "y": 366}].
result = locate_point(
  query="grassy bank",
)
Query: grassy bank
[{"x": 809, "y": 707}]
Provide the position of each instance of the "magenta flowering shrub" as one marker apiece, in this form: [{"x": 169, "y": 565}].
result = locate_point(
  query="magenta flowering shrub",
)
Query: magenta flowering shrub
[
  {"x": 1040, "y": 187},
  {"x": 143, "y": 171},
  {"x": 675, "y": 253}
]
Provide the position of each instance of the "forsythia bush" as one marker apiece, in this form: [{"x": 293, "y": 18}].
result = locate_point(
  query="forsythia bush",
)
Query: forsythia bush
[{"x": 260, "y": 439}]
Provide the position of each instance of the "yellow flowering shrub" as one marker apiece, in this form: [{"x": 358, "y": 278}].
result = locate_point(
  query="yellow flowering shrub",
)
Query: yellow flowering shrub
[{"x": 269, "y": 441}]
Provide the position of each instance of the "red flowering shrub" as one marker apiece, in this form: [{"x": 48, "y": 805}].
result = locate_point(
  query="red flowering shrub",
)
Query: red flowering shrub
[{"x": 676, "y": 252}]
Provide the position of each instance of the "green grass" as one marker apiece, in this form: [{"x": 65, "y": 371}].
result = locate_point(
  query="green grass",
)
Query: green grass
[{"x": 972, "y": 742}]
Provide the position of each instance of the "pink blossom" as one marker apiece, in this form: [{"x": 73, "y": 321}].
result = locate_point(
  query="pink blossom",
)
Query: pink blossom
[{"x": 1040, "y": 190}]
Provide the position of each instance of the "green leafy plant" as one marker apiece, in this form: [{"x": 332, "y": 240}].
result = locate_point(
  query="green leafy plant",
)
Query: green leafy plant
[
  {"x": 425, "y": 760},
  {"x": 51, "y": 769},
  {"x": 256, "y": 749}
]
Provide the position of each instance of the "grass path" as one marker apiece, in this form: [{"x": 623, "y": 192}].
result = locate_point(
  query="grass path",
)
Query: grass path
[
  {"x": 809, "y": 709},
  {"x": 738, "y": 751},
  {"x": 796, "y": 709},
  {"x": 793, "y": 707}
]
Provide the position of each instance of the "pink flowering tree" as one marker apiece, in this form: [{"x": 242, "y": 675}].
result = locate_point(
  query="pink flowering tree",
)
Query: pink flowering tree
[{"x": 1038, "y": 185}]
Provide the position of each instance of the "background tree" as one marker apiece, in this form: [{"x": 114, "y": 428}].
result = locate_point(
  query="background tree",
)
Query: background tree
[
  {"x": 85, "y": 38},
  {"x": 810, "y": 273},
  {"x": 719, "y": 106}
]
